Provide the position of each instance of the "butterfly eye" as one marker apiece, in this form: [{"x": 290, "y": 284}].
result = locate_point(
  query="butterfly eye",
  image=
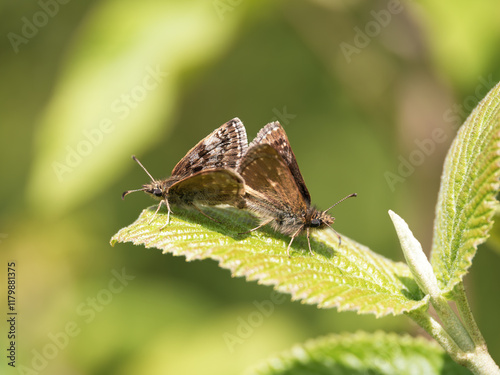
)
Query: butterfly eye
[
  {"x": 157, "y": 192},
  {"x": 315, "y": 222}
]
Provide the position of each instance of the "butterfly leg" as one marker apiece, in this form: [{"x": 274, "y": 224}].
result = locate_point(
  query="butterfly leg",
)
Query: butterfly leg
[
  {"x": 308, "y": 241},
  {"x": 338, "y": 235},
  {"x": 204, "y": 214},
  {"x": 293, "y": 237},
  {"x": 168, "y": 212},
  {"x": 257, "y": 227},
  {"x": 288, "y": 248},
  {"x": 154, "y": 215}
]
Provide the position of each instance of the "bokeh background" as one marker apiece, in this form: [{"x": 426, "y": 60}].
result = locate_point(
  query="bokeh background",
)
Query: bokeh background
[{"x": 360, "y": 87}]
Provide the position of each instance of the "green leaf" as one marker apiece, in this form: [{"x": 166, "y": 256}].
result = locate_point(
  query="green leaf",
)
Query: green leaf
[
  {"x": 349, "y": 278},
  {"x": 466, "y": 202},
  {"x": 362, "y": 353}
]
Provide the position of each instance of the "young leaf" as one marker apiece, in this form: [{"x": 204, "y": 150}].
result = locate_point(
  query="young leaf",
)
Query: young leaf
[
  {"x": 419, "y": 266},
  {"x": 362, "y": 353},
  {"x": 469, "y": 184},
  {"x": 349, "y": 278}
]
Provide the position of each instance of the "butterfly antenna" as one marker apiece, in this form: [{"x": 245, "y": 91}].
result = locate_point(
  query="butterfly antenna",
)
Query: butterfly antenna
[
  {"x": 131, "y": 191},
  {"x": 142, "y": 166},
  {"x": 340, "y": 201},
  {"x": 141, "y": 189}
]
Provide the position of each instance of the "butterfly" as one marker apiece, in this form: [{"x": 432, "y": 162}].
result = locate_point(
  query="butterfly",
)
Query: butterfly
[
  {"x": 275, "y": 189},
  {"x": 206, "y": 174}
]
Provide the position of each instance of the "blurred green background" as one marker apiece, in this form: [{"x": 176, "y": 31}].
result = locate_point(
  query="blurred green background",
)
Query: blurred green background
[{"x": 360, "y": 87}]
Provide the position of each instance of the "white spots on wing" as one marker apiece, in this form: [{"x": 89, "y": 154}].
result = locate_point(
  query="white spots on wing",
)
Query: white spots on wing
[
  {"x": 272, "y": 129},
  {"x": 212, "y": 143},
  {"x": 193, "y": 158}
]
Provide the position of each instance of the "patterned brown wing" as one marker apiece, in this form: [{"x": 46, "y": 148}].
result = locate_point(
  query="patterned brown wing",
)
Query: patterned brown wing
[
  {"x": 222, "y": 148},
  {"x": 271, "y": 190},
  {"x": 273, "y": 134},
  {"x": 209, "y": 187}
]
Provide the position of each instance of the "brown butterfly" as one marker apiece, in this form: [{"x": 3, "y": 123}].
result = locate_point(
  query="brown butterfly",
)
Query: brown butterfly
[
  {"x": 275, "y": 189},
  {"x": 206, "y": 174}
]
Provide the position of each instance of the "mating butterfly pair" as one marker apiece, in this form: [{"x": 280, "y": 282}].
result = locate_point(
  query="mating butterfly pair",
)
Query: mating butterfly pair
[{"x": 262, "y": 177}]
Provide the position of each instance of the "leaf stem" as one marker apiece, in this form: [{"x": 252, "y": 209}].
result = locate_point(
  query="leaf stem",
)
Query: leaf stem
[
  {"x": 463, "y": 307},
  {"x": 477, "y": 360},
  {"x": 452, "y": 323},
  {"x": 433, "y": 328},
  {"x": 480, "y": 362}
]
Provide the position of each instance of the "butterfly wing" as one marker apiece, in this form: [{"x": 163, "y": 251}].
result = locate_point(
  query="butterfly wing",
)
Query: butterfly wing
[
  {"x": 273, "y": 134},
  {"x": 222, "y": 148},
  {"x": 209, "y": 187},
  {"x": 271, "y": 190}
]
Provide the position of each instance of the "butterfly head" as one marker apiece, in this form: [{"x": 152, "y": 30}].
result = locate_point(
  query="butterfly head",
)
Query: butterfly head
[
  {"x": 155, "y": 188},
  {"x": 318, "y": 219}
]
